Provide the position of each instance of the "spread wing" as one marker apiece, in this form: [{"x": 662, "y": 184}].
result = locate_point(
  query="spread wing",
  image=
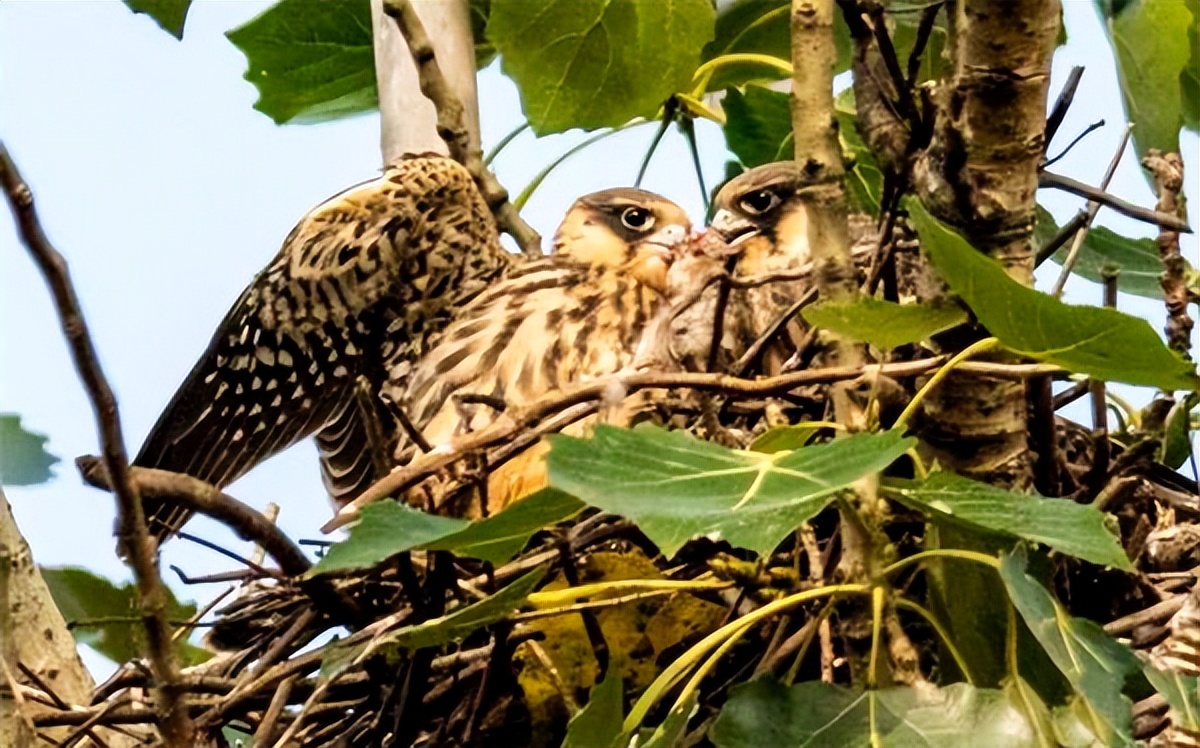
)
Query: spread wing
[{"x": 356, "y": 284}]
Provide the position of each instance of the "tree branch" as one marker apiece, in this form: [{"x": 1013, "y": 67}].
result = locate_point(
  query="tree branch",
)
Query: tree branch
[
  {"x": 1167, "y": 171},
  {"x": 1124, "y": 207},
  {"x": 516, "y": 420},
  {"x": 206, "y": 499},
  {"x": 452, "y": 127},
  {"x": 175, "y": 723}
]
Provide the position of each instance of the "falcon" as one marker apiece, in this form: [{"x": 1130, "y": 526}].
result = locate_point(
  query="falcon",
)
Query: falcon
[
  {"x": 359, "y": 287},
  {"x": 582, "y": 313},
  {"x": 754, "y": 211}
]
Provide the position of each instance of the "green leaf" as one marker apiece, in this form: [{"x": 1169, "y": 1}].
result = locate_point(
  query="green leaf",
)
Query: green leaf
[
  {"x": 864, "y": 180},
  {"x": 170, "y": 15},
  {"x": 758, "y": 125},
  {"x": 1075, "y": 529},
  {"x": 456, "y": 625},
  {"x": 1095, "y": 664},
  {"x": 783, "y": 438},
  {"x": 1150, "y": 39},
  {"x": 108, "y": 615},
  {"x": 311, "y": 62},
  {"x": 675, "y": 486},
  {"x": 385, "y": 529},
  {"x": 1136, "y": 259},
  {"x": 670, "y": 733},
  {"x": 597, "y": 63},
  {"x": 1101, "y": 343},
  {"x": 1182, "y": 692},
  {"x": 762, "y": 27},
  {"x": 884, "y": 324},
  {"x": 498, "y": 538},
  {"x": 822, "y": 715},
  {"x": 484, "y": 51},
  {"x": 1189, "y": 79},
  {"x": 598, "y": 724},
  {"x": 1177, "y": 433},
  {"x": 24, "y": 460}
]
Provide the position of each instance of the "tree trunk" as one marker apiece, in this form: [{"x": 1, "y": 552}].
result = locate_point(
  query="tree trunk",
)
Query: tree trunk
[
  {"x": 409, "y": 120},
  {"x": 34, "y": 634}
]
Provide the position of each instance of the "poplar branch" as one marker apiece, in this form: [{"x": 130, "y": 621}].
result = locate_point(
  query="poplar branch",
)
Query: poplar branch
[
  {"x": 1167, "y": 172},
  {"x": 174, "y": 721},
  {"x": 452, "y": 127}
]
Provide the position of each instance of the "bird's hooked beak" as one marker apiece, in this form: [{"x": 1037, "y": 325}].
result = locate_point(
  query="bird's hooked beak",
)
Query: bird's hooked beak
[
  {"x": 734, "y": 229},
  {"x": 656, "y": 252},
  {"x": 667, "y": 237}
]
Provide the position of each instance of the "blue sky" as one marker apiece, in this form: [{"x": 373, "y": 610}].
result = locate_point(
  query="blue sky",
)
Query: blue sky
[{"x": 167, "y": 192}]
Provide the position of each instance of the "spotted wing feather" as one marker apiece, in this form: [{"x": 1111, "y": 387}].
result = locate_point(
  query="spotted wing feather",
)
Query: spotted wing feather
[{"x": 357, "y": 286}]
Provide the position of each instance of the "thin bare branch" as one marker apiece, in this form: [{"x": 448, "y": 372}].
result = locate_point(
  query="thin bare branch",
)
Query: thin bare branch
[
  {"x": 175, "y": 724},
  {"x": 1124, "y": 207}
]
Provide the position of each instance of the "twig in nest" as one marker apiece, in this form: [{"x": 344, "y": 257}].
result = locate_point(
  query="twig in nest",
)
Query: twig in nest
[
  {"x": 1124, "y": 207},
  {"x": 176, "y": 726},
  {"x": 205, "y": 499},
  {"x": 516, "y": 420},
  {"x": 452, "y": 127}
]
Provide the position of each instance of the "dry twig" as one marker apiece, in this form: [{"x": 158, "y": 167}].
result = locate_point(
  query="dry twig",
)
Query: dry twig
[{"x": 174, "y": 722}]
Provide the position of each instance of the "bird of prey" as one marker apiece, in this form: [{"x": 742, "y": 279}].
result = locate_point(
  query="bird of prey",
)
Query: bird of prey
[
  {"x": 357, "y": 290},
  {"x": 582, "y": 313},
  {"x": 762, "y": 216}
]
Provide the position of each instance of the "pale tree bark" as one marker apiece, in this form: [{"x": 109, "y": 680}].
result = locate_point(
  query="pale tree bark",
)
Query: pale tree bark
[
  {"x": 34, "y": 636},
  {"x": 409, "y": 119},
  {"x": 980, "y": 173}
]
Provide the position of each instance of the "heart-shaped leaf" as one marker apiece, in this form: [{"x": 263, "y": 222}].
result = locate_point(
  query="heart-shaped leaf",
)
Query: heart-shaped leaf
[
  {"x": 597, "y": 63},
  {"x": 310, "y": 62},
  {"x": 676, "y": 487}
]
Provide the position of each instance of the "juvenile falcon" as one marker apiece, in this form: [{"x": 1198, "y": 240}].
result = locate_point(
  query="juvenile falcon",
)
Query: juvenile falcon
[
  {"x": 753, "y": 212},
  {"x": 360, "y": 285},
  {"x": 582, "y": 313}
]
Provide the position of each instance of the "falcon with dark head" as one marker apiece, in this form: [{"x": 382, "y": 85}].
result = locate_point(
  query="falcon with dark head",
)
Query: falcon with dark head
[
  {"x": 580, "y": 314},
  {"x": 357, "y": 290}
]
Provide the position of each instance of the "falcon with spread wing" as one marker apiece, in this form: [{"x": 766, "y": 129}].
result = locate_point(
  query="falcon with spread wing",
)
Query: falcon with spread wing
[{"x": 357, "y": 290}]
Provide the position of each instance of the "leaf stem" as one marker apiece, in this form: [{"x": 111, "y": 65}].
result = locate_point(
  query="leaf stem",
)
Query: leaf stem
[
  {"x": 959, "y": 553},
  {"x": 541, "y": 175},
  {"x": 705, "y": 72},
  {"x": 942, "y": 633},
  {"x": 980, "y": 346},
  {"x": 510, "y": 137},
  {"x": 552, "y": 598},
  {"x": 676, "y": 670}
]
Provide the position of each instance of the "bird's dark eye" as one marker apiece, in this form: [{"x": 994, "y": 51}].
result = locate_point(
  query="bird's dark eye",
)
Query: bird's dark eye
[
  {"x": 637, "y": 219},
  {"x": 757, "y": 203}
]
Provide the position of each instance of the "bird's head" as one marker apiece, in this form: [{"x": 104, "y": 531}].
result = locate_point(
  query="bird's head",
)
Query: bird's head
[
  {"x": 763, "y": 202},
  {"x": 627, "y": 229}
]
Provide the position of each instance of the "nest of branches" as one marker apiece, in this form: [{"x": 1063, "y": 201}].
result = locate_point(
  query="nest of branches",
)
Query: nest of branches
[{"x": 437, "y": 647}]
